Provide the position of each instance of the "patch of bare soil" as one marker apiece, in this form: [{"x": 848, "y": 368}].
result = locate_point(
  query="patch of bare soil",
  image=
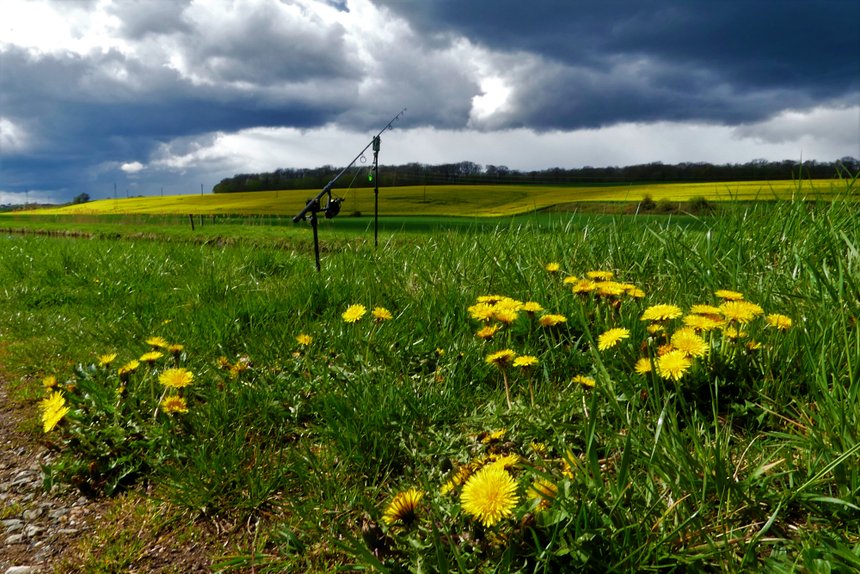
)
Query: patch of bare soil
[
  {"x": 37, "y": 527},
  {"x": 61, "y": 531}
]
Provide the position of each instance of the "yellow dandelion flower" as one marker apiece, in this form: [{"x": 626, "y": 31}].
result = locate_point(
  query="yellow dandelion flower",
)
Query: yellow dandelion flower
[
  {"x": 525, "y": 361},
  {"x": 673, "y": 365},
  {"x": 224, "y": 363},
  {"x": 505, "y": 315},
  {"x": 53, "y": 410},
  {"x": 239, "y": 368},
  {"x": 304, "y": 340},
  {"x": 704, "y": 310},
  {"x": 612, "y": 337},
  {"x": 51, "y": 419},
  {"x": 568, "y": 463},
  {"x": 655, "y": 328},
  {"x": 600, "y": 275},
  {"x": 643, "y": 366},
  {"x": 381, "y": 314},
  {"x": 728, "y": 295},
  {"x": 584, "y": 286},
  {"x": 506, "y": 461},
  {"x": 403, "y": 507},
  {"x": 353, "y": 313},
  {"x": 489, "y": 495},
  {"x": 636, "y": 293},
  {"x": 689, "y": 343},
  {"x": 509, "y": 303},
  {"x": 542, "y": 489},
  {"x": 151, "y": 356},
  {"x": 781, "y": 322},
  {"x": 487, "y": 332},
  {"x": 157, "y": 342},
  {"x": 552, "y": 320},
  {"x": 174, "y": 404},
  {"x": 49, "y": 382},
  {"x": 663, "y": 349},
  {"x": 753, "y": 345},
  {"x": 501, "y": 358},
  {"x": 610, "y": 289},
  {"x": 128, "y": 368},
  {"x": 584, "y": 380},
  {"x": 552, "y": 267},
  {"x": 494, "y": 436},
  {"x": 740, "y": 311},
  {"x": 532, "y": 307},
  {"x": 52, "y": 402},
  {"x": 570, "y": 280},
  {"x": 175, "y": 349},
  {"x": 107, "y": 359},
  {"x": 176, "y": 378},
  {"x": 482, "y": 312},
  {"x": 661, "y": 313}
]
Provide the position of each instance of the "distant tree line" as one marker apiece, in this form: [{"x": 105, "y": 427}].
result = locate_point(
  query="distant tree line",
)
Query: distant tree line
[{"x": 467, "y": 172}]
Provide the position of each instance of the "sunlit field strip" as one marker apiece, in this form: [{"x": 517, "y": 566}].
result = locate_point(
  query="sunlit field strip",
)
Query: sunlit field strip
[{"x": 453, "y": 200}]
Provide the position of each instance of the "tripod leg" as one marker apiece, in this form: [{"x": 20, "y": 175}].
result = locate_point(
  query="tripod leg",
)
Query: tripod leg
[{"x": 316, "y": 239}]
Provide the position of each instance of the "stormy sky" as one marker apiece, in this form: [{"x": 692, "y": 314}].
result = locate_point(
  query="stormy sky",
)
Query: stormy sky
[{"x": 152, "y": 95}]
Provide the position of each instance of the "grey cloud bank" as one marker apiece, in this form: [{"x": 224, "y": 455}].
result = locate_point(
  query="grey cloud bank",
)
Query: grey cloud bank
[{"x": 173, "y": 94}]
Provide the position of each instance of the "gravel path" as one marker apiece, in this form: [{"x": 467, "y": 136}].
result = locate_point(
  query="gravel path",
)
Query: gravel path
[{"x": 37, "y": 528}]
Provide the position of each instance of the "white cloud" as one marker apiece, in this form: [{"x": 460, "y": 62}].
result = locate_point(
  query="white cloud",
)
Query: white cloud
[
  {"x": 493, "y": 99},
  {"x": 132, "y": 167},
  {"x": 814, "y": 128},
  {"x": 12, "y": 137},
  {"x": 44, "y": 27}
]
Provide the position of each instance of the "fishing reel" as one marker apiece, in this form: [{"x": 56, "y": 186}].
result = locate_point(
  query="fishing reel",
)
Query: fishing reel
[{"x": 332, "y": 206}]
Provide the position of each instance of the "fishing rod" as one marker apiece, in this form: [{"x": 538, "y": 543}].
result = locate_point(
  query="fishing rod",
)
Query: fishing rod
[{"x": 332, "y": 207}]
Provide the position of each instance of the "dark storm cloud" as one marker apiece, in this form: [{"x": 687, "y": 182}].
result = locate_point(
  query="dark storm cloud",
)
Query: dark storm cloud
[
  {"x": 63, "y": 99},
  {"x": 726, "y": 62},
  {"x": 180, "y": 71},
  {"x": 264, "y": 48}
]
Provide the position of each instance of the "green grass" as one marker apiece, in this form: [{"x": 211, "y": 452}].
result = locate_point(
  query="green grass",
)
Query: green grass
[{"x": 746, "y": 463}]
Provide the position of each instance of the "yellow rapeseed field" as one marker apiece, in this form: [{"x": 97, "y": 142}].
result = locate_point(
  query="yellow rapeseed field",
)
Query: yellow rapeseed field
[{"x": 448, "y": 200}]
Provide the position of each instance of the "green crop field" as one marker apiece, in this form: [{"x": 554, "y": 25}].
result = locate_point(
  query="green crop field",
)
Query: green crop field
[
  {"x": 572, "y": 392},
  {"x": 448, "y": 200}
]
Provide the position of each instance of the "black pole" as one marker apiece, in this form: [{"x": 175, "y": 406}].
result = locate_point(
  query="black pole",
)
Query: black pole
[
  {"x": 314, "y": 225},
  {"x": 376, "y": 144}
]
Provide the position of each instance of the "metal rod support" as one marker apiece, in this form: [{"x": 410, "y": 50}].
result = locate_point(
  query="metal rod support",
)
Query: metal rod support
[{"x": 313, "y": 205}]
